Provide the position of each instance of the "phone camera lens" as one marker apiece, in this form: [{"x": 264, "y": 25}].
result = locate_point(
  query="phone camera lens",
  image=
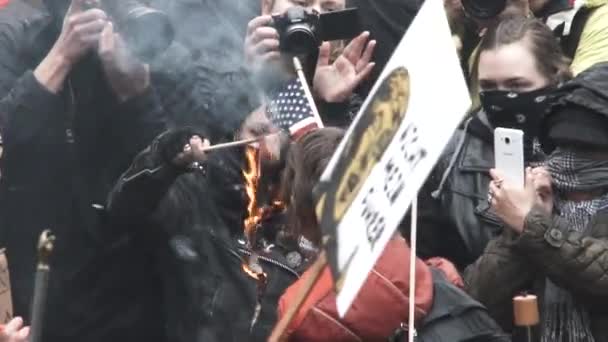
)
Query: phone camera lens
[{"x": 507, "y": 141}]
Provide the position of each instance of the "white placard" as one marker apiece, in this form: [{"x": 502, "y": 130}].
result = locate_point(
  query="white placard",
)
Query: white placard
[{"x": 368, "y": 200}]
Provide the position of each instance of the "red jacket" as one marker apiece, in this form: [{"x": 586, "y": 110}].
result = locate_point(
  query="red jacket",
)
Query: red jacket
[{"x": 379, "y": 309}]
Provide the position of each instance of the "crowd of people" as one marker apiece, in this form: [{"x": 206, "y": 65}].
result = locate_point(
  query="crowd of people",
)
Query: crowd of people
[{"x": 108, "y": 149}]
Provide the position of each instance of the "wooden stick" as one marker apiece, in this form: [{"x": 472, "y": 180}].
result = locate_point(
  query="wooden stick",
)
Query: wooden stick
[
  {"x": 236, "y": 143},
  {"x": 411, "y": 329},
  {"x": 278, "y": 333},
  {"x": 298, "y": 66}
]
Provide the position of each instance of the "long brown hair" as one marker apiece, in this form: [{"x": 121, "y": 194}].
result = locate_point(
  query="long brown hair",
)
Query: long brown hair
[
  {"x": 306, "y": 160},
  {"x": 550, "y": 59}
]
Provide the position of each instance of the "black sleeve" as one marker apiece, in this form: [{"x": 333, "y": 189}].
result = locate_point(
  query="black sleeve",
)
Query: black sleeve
[
  {"x": 141, "y": 188},
  {"x": 26, "y": 107},
  {"x": 387, "y": 21}
]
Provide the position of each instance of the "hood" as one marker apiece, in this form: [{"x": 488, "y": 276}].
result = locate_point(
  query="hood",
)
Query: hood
[{"x": 377, "y": 312}]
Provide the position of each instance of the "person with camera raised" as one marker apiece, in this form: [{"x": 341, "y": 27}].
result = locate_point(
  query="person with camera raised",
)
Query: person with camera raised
[
  {"x": 333, "y": 71},
  {"x": 75, "y": 107}
]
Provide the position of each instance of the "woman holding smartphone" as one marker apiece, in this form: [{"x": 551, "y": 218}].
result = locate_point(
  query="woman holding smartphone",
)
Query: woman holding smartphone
[
  {"x": 520, "y": 66},
  {"x": 555, "y": 240}
]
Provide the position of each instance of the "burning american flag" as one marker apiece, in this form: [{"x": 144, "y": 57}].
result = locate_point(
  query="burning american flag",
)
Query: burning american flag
[{"x": 290, "y": 110}]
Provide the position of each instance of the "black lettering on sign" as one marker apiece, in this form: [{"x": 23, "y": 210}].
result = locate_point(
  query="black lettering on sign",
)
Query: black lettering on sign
[
  {"x": 373, "y": 219},
  {"x": 411, "y": 149},
  {"x": 393, "y": 181}
]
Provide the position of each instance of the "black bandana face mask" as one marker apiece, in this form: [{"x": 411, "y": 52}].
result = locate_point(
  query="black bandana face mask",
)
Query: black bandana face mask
[{"x": 522, "y": 111}]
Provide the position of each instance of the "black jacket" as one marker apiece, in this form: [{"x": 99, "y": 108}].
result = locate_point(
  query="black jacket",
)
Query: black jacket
[
  {"x": 198, "y": 219},
  {"x": 62, "y": 153},
  {"x": 456, "y": 317},
  {"x": 455, "y": 221}
]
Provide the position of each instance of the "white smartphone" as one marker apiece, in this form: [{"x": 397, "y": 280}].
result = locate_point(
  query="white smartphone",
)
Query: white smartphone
[{"x": 509, "y": 154}]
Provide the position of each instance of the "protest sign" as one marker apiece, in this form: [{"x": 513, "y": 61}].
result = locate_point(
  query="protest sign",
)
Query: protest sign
[
  {"x": 6, "y": 301},
  {"x": 389, "y": 150}
]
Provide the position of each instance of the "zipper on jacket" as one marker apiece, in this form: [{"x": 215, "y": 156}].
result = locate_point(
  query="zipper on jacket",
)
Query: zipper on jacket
[{"x": 268, "y": 260}]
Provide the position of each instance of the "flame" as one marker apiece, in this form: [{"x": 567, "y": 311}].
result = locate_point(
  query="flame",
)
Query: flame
[{"x": 252, "y": 176}]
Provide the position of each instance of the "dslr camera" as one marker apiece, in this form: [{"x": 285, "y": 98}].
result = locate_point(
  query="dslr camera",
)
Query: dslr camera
[
  {"x": 302, "y": 32},
  {"x": 148, "y": 32}
]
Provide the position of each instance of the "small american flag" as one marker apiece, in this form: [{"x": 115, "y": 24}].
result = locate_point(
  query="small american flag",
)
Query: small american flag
[{"x": 289, "y": 110}]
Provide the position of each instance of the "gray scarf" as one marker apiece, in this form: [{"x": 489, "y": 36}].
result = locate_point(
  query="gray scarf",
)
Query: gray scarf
[{"x": 564, "y": 319}]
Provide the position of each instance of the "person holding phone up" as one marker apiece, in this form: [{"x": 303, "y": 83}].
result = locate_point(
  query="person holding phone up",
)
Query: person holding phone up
[
  {"x": 520, "y": 66},
  {"x": 555, "y": 238}
]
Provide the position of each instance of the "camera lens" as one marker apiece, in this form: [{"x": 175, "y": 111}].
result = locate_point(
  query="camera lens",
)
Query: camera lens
[
  {"x": 299, "y": 39},
  {"x": 507, "y": 141}
]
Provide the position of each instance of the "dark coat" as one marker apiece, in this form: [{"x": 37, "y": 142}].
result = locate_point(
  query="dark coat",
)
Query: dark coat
[
  {"x": 62, "y": 153},
  {"x": 198, "y": 218},
  {"x": 547, "y": 248},
  {"x": 454, "y": 217}
]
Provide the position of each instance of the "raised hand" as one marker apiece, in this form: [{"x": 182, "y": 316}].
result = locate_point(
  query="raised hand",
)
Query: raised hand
[
  {"x": 336, "y": 82},
  {"x": 512, "y": 204},
  {"x": 127, "y": 76}
]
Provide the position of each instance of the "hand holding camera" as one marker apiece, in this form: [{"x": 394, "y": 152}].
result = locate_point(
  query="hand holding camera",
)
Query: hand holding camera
[
  {"x": 261, "y": 43},
  {"x": 80, "y": 33},
  {"x": 127, "y": 76}
]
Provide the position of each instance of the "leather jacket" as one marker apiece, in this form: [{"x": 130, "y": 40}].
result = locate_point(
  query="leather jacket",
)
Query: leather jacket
[
  {"x": 191, "y": 224},
  {"x": 455, "y": 219}
]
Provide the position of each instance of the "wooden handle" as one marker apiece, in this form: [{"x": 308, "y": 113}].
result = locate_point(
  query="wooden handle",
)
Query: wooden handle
[
  {"x": 525, "y": 310},
  {"x": 278, "y": 333}
]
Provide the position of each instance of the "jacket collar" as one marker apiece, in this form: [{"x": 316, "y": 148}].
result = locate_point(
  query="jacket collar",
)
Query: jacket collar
[{"x": 477, "y": 153}]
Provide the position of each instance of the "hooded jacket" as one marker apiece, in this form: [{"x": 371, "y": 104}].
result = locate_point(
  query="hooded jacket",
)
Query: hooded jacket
[{"x": 380, "y": 309}]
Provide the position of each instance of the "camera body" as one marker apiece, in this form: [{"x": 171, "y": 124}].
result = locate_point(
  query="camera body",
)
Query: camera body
[
  {"x": 302, "y": 32},
  {"x": 299, "y": 30},
  {"x": 148, "y": 32}
]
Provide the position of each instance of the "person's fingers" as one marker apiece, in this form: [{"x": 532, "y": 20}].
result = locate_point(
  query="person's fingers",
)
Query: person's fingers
[
  {"x": 91, "y": 28},
  {"x": 76, "y": 6},
  {"x": 23, "y": 333},
  {"x": 266, "y": 45},
  {"x": 263, "y": 20},
  {"x": 262, "y": 33},
  {"x": 270, "y": 56},
  {"x": 362, "y": 75},
  {"x": 353, "y": 50},
  {"x": 324, "y": 54},
  {"x": 106, "y": 40},
  {"x": 87, "y": 16},
  {"x": 367, "y": 56},
  {"x": 198, "y": 148},
  {"x": 13, "y": 326},
  {"x": 496, "y": 174}
]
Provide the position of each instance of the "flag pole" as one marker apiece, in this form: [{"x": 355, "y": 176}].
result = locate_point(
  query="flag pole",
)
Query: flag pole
[
  {"x": 278, "y": 333},
  {"x": 411, "y": 331},
  {"x": 311, "y": 101},
  {"x": 45, "y": 248}
]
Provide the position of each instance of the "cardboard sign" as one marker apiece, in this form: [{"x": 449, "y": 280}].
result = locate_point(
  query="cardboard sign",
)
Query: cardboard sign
[
  {"x": 390, "y": 149},
  {"x": 6, "y": 300}
]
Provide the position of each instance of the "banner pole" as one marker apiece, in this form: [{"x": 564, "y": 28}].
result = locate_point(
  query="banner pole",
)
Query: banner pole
[
  {"x": 316, "y": 270},
  {"x": 411, "y": 331}
]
